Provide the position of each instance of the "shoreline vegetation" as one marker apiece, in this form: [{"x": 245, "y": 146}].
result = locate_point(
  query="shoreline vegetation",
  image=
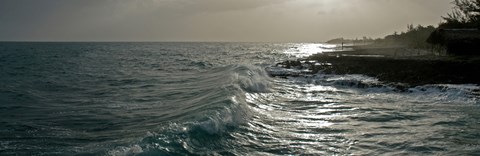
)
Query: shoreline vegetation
[{"x": 447, "y": 54}]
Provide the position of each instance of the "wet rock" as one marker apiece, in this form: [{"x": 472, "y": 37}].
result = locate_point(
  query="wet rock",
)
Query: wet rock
[{"x": 411, "y": 71}]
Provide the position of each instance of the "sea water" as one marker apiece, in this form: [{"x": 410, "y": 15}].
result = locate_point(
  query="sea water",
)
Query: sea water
[{"x": 216, "y": 99}]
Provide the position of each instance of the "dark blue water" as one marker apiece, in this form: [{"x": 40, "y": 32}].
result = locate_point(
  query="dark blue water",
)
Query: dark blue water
[{"x": 216, "y": 99}]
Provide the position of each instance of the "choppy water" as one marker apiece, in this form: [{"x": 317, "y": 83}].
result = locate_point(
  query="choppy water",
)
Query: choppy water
[{"x": 216, "y": 99}]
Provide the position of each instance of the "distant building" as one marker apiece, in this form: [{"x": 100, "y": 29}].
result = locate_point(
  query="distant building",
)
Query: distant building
[{"x": 457, "y": 41}]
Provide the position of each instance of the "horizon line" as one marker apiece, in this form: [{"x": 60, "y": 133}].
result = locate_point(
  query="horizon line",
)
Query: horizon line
[{"x": 78, "y": 41}]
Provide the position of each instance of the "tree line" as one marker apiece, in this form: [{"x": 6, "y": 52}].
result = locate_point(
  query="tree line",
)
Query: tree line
[{"x": 465, "y": 14}]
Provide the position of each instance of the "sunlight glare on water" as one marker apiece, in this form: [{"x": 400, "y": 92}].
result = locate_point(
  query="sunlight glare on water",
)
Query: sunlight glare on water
[{"x": 307, "y": 49}]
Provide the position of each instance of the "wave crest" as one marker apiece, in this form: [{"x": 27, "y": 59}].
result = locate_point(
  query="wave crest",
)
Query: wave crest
[{"x": 218, "y": 111}]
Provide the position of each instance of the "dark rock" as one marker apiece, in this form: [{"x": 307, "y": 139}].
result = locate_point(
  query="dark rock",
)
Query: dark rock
[{"x": 411, "y": 71}]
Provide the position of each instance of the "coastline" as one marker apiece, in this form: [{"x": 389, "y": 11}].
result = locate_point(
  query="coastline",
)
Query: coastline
[{"x": 398, "y": 65}]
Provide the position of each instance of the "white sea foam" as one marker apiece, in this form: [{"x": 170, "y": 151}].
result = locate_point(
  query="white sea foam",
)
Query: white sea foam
[
  {"x": 252, "y": 79},
  {"x": 126, "y": 151}
]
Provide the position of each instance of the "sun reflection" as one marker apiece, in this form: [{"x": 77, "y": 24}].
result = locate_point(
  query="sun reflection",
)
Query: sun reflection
[
  {"x": 298, "y": 115},
  {"x": 306, "y": 49},
  {"x": 319, "y": 88}
]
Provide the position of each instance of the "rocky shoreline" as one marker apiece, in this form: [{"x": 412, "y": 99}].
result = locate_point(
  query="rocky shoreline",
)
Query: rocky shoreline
[{"x": 407, "y": 70}]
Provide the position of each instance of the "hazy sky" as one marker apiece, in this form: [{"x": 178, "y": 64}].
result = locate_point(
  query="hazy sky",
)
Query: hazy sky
[{"x": 212, "y": 20}]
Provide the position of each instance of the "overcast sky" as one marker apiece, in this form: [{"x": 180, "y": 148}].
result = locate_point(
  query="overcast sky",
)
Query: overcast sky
[{"x": 212, "y": 20}]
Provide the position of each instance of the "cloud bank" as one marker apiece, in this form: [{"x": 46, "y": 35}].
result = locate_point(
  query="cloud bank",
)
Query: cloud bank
[{"x": 211, "y": 20}]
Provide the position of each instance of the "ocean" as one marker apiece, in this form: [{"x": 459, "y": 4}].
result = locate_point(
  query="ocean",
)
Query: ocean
[{"x": 60, "y": 98}]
